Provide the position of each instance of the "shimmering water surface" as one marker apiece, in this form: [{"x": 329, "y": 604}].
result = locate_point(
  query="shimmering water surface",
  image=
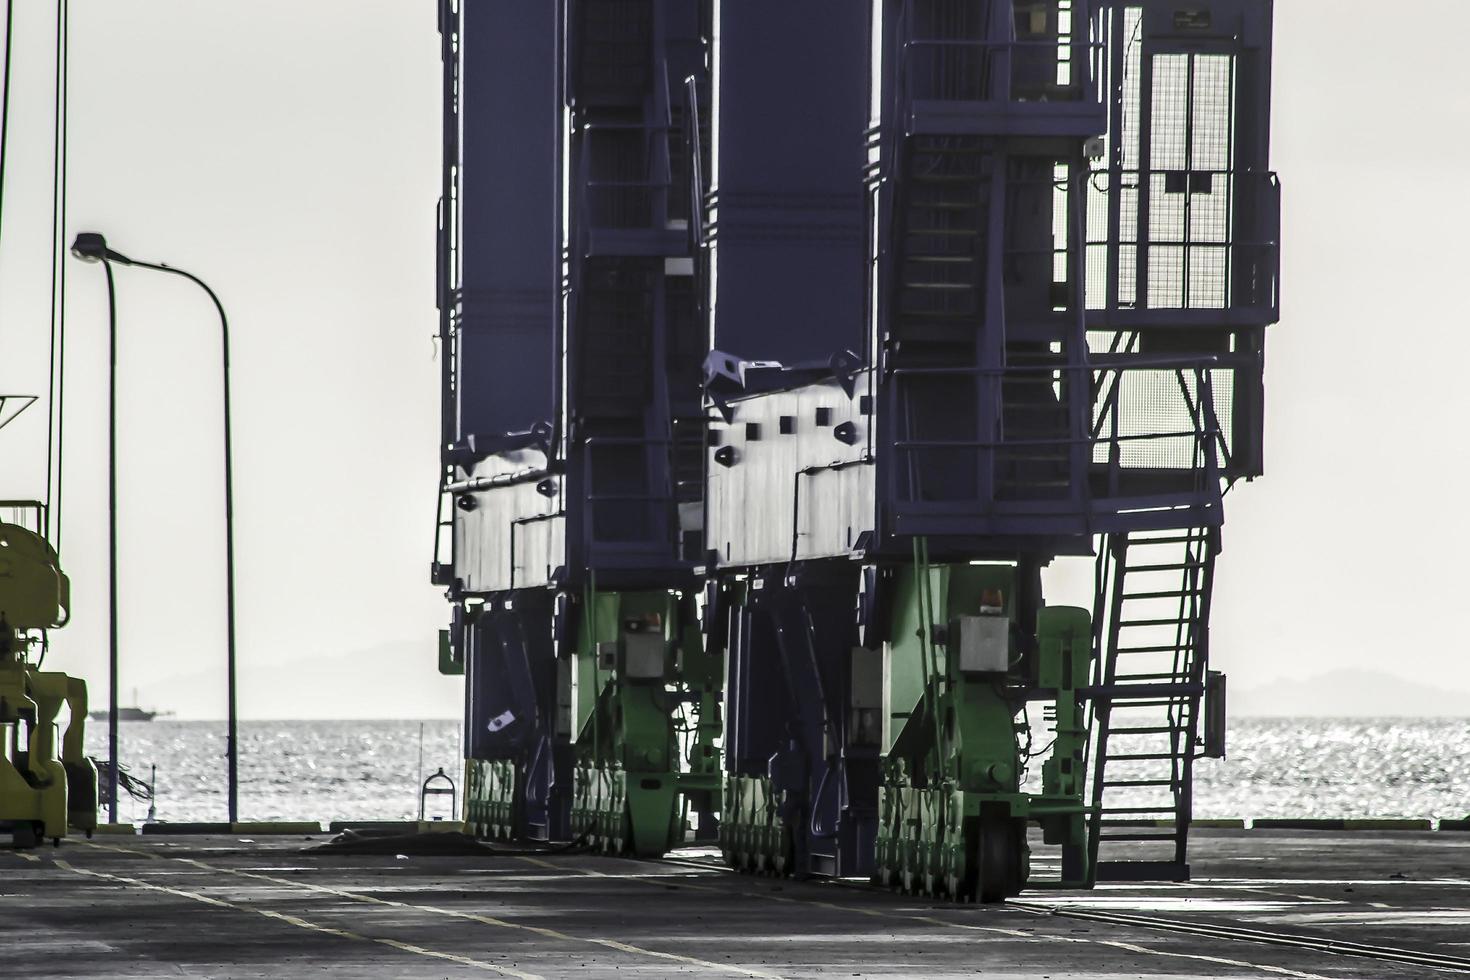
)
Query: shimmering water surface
[
  {"x": 327, "y": 770},
  {"x": 289, "y": 770}
]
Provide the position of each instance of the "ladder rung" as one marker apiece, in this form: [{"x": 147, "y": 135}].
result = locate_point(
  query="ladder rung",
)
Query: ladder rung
[
  {"x": 1172, "y": 539},
  {"x": 1167, "y": 648},
  {"x": 1146, "y": 757},
  {"x": 1152, "y": 622},
  {"x": 946, "y": 286},
  {"x": 1137, "y": 837},
  {"x": 1143, "y": 730},
  {"x": 1118, "y": 679},
  {"x": 943, "y": 206},
  {"x": 1168, "y": 594},
  {"x": 928, "y": 149},
  {"x": 1142, "y": 871},
  {"x": 946, "y": 178},
  {"x": 1156, "y": 810},
  {"x": 1166, "y": 692},
  {"x": 1166, "y": 567},
  {"x": 904, "y": 315},
  {"x": 1137, "y": 782}
]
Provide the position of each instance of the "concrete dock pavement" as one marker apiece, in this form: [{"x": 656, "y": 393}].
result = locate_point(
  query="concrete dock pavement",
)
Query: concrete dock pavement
[{"x": 1263, "y": 904}]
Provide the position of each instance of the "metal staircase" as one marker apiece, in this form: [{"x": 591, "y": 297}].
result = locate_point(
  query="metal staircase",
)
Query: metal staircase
[
  {"x": 1034, "y": 461},
  {"x": 941, "y": 264},
  {"x": 1152, "y": 630}
]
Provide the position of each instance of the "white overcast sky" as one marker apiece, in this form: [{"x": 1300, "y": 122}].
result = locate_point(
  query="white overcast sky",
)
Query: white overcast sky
[{"x": 288, "y": 152}]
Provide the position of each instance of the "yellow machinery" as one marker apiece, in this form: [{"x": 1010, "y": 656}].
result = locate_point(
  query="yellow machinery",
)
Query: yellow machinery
[{"x": 47, "y": 784}]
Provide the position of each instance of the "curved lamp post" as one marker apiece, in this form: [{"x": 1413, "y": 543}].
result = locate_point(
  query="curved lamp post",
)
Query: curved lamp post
[{"x": 92, "y": 247}]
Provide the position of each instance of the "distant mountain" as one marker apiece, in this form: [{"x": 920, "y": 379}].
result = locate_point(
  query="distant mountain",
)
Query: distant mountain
[
  {"x": 391, "y": 680},
  {"x": 400, "y": 680},
  {"x": 1348, "y": 694}
]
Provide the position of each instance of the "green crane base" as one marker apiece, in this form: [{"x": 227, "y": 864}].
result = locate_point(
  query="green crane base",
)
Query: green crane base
[
  {"x": 753, "y": 836},
  {"x": 490, "y": 798}
]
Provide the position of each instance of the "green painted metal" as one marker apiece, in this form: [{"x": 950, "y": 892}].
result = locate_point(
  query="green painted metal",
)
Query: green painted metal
[
  {"x": 490, "y": 799},
  {"x": 952, "y": 813},
  {"x": 448, "y": 663},
  {"x": 753, "y": 835},
  {"x": 645, "y": 711}
]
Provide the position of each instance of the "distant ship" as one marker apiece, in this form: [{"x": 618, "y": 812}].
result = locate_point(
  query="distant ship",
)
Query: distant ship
[
  {"x": 133, "y": 713},
  {"x": 129, "y": 714}
]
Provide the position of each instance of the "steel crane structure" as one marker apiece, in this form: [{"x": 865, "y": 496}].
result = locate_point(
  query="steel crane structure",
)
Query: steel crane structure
[
  {"x": 572, "y": 418},
  {"x": 975, "y": 285}
]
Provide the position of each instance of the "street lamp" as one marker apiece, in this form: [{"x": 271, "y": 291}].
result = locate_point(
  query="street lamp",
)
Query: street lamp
[{"x": 92, "y": 247}]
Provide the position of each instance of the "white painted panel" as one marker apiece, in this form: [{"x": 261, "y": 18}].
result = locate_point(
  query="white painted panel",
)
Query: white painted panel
[{"x": 799, "y": 493}]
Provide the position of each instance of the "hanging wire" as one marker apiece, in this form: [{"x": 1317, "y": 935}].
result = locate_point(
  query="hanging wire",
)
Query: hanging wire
[
  {"x": 56, "y": 379},
  {"x": 591, "y": 619},
  {"x": 929, "y": 656},
  {"x": 5, "y": 105}
]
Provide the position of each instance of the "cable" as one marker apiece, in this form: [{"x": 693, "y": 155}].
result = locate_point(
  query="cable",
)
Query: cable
[
  {"x": 130, "y": 784},
  {"x": 56, "y": 379},
  {"x": 1041, "y": 751},
  {"x": 5, "y": 105},
  {"x": 55, "y": 259}
]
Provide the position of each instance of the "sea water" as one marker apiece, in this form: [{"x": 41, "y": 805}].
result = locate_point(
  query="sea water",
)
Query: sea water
[{"x": 371, "y": 770}]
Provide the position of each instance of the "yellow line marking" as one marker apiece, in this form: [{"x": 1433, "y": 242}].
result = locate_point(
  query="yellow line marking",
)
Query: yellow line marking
[
  {"x": 488, "y": 920},
  {"x": 543, "y": 864},
  {"x": 931, "y": 920},
  {"x": 301, "y": 923}
]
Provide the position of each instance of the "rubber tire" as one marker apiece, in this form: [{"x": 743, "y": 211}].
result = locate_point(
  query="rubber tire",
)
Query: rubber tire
[
  {"x": 998, "y": 859},
  {"x": 1022, "y": 865}
]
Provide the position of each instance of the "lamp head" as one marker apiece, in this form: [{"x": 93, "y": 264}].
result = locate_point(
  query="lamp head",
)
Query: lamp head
[{"x": 90, "y": 246}]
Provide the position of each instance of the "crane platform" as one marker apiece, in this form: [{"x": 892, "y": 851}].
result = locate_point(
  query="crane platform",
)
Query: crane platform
[{"x": 1263, "y": 903}]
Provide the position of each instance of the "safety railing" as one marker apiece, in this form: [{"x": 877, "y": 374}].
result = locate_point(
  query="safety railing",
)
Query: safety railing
[
  {"x": 643, "y": 519},
  {"x": 1130, "y": 400},
  {"x": 447, "y": 279},
  {"x": 447, "y": 273},
  {"x": 973, "y": 471},
  {"x": 1040, "y": 70},
  {"x": 1105, "y": 429},
  {"x": 633, "y": 200},
  {"x": 1040, "y": 51},
  {"x": 28, "y": 514},
  {"x": 1204, "y": 240}
]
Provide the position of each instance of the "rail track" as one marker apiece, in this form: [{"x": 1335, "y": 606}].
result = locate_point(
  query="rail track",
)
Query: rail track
[
  {"x": 1243, "y": 934},
  {"x": 1204, "y": 930}
]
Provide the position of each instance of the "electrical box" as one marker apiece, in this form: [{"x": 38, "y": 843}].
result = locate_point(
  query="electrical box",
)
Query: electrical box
[
  {"x": 451, "y": 660},
  {"x": 865, "y": 696},
  {"x": 1214, "y": 719},
  {"x": 982, "y": 642},
  {"x": 566, "y": 695},
  {"x": 866, "y": 684},
  {"x": 643, "y": 656},
  {"x": 1063, "y": 655}
]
